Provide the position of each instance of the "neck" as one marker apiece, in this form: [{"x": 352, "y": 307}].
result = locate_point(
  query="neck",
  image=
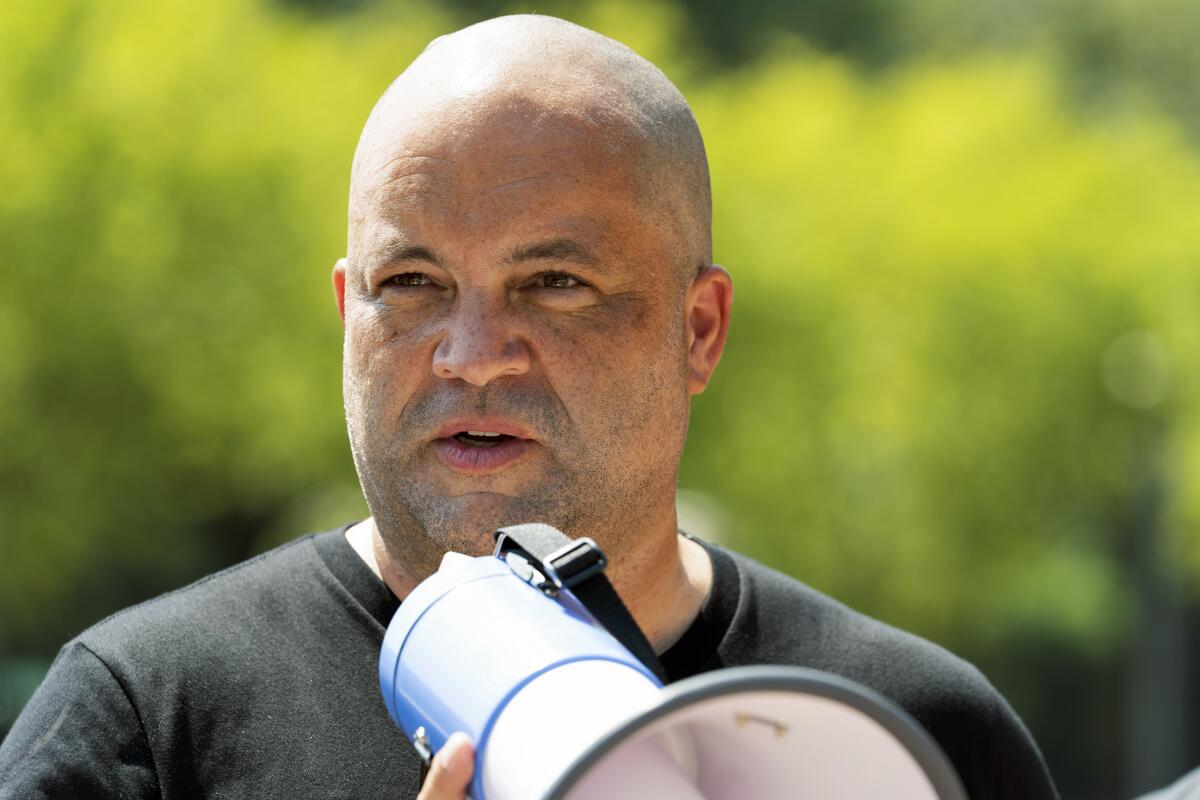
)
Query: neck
[{"x": 663, "y": 585}]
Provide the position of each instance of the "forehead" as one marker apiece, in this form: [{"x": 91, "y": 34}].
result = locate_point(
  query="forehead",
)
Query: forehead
[{"x": 473, "y": 166}]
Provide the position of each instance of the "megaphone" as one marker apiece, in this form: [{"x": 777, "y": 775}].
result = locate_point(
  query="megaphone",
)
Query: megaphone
[{"x": 518, "y": 651}]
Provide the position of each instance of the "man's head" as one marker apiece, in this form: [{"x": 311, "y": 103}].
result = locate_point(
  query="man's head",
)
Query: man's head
[{"x": 529, "y": 254}]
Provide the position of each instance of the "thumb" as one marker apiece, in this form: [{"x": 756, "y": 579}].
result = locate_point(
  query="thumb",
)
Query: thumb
[{"x": 451, "y": 771}]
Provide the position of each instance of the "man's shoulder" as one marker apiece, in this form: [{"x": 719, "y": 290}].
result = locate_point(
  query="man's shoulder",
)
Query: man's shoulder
[
  {"x": 224, "y": 605},
  {"x": 782, "y": 618},
  {"x": 261, "y": 675}
]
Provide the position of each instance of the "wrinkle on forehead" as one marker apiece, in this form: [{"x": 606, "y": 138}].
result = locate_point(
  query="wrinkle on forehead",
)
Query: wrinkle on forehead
[
  {"x": 516, "y": 181},
  {"x": 398, "y": 160}
]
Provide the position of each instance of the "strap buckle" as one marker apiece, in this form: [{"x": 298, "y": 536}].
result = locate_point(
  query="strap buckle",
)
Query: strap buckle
[{"x": 572, "y": 564}]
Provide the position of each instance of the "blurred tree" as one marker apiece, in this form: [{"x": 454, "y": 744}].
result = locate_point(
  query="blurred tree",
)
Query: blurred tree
[{"x": 1111, "y": 52}]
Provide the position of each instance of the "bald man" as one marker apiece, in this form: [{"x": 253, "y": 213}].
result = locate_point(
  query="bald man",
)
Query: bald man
[{"x": 529, "y": 302}]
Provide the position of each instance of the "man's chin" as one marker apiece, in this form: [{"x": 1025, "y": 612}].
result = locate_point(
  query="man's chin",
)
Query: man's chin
[{"x": 472, "y": 519}]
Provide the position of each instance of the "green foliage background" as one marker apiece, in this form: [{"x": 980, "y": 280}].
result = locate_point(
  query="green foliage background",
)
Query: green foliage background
[{"x": 961, "y": 380}]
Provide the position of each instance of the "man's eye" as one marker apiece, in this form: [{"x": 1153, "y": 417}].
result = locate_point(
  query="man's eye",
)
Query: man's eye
[
  {"x": 409, "y": 279},
  {"x": 555, "y": 280}
]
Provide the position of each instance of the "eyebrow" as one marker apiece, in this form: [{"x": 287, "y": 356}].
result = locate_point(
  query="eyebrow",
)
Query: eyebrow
[
  {"x": 561, "y": 249},
  {"x": 396, "y": 252},
  {"x": 556, "y": 250}
]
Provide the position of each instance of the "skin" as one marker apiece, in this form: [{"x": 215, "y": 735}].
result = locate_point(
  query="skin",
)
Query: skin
[{"x": 526, "y": 245}]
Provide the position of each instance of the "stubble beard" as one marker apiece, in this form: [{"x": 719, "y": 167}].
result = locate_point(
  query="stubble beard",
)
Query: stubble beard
[{"x": 582, "y": 492}]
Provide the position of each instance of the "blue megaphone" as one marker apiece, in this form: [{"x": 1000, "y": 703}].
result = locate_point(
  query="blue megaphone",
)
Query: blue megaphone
[{"x": 518, "y": 651}]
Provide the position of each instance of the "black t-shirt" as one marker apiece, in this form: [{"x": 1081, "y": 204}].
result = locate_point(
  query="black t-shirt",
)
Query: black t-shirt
[{"x": 262, "y": 680}]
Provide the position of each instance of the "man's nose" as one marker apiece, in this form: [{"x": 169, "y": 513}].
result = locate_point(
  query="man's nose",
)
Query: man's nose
[{"x": 480, "y": 342}]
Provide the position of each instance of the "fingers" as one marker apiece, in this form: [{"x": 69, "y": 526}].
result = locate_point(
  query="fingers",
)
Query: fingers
[{"x": 450, "y": 773}]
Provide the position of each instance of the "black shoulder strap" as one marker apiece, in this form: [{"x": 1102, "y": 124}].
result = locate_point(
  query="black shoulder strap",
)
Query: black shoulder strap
[{"x": 578, "y": 564}]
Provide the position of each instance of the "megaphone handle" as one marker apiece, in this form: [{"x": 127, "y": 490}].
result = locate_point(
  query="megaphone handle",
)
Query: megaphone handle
[
  {"x": 420, "y": 743},
  {"x": 551, "y": 549}
]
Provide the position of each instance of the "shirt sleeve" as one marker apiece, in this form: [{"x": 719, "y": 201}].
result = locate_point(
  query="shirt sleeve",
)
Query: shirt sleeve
[
  {"x": 995, "y": 756},
  {"x": 1018, "y": 770},
  {"x": 79, "y": 736}
]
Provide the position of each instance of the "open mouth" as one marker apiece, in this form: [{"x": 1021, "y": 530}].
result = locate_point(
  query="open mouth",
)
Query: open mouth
[
  {"x": 482, "y": 447},
  {"x": 481, "y": 438}
]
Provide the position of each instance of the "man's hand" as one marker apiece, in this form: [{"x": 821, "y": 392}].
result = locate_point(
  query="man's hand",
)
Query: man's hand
[{"x": 450, "y": 772}]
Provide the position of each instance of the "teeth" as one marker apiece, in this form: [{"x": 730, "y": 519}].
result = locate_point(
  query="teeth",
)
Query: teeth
[{"x": 482, "y": 433}]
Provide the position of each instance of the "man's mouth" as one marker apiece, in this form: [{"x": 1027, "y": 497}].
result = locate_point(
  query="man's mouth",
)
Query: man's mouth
[
  {"x": 480, "y": 449},
  {"x": 481, "y": 438}
]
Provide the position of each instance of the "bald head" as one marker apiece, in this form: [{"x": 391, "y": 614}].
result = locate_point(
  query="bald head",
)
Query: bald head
[{"x": 539, "y": 75}]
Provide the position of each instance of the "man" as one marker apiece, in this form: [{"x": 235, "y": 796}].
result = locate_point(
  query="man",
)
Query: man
[{"x": 529, "y": 300}]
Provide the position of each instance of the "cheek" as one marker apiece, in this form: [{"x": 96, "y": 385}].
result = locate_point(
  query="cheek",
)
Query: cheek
[
  {"x": 383, "y": 354},
  {"x": 374, "y": 331},
  {"x": 621, "y": 380}
]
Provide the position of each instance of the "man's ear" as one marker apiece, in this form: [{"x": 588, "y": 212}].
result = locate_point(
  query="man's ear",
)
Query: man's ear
[
  {"x": 706, "y": 315},
  {"x": 339, "y": 288}
]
